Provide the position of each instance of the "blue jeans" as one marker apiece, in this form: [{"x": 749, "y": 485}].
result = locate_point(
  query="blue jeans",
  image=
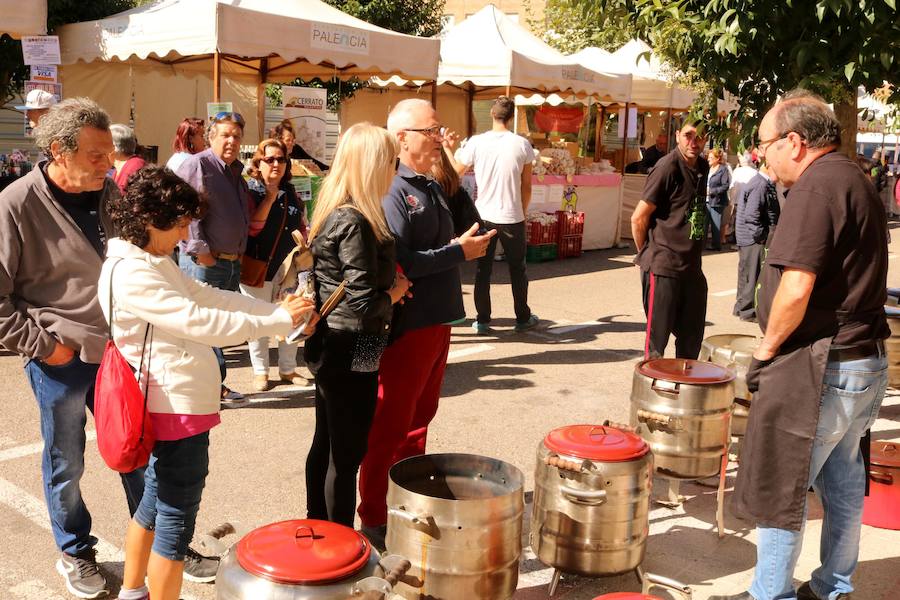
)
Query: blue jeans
[
  {"x": 224, "y": 275},
  {"x": 714, "y": 222},
  {"x": 175, "y": 479},
  {"x": 62, "y": 393},
  {"x": 850, "y": 401}
]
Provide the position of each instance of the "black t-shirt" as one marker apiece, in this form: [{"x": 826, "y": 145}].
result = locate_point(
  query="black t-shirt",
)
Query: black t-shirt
[
  {"x": 84, "y": 208},
  {"x": 673, "y": 187},
  {"x": 833, "y": 224}
]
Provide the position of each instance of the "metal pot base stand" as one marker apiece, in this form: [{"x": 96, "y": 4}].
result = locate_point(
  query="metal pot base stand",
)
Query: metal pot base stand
[{"x": 648, "y": 581}]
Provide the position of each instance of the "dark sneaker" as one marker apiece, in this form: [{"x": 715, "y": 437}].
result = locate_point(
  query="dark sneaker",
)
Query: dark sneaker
[
  {"x": 531, "y": 323},
  {"x": 232, "y": 399},
  {"x": 199, "y": 568},
  {"x": 376, "y": 535},
  {"x": 82, "y": 574},
  {"x": 481, "y": 328}
]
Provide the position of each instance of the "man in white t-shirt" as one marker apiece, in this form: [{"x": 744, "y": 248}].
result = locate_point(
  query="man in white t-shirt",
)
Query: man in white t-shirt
[{"x": 502, "y": 163}]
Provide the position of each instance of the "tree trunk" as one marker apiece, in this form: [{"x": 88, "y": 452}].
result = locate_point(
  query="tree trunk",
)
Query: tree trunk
[{"x": 846, "y": 113}]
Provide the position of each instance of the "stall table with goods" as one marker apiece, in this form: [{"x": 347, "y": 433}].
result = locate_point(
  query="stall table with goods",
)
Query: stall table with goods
[{"x": 561, "y": 182}]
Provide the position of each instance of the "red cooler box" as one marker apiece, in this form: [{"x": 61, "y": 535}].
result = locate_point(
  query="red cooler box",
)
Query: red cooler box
[{"x": 882, "y": 505}]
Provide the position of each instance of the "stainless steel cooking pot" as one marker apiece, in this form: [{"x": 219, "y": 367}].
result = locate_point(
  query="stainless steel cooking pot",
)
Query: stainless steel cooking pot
[
  {"x": 458, "y": 517},
  {"x": 306, "y": 559},
  {"x": 591, "y": 500},
  {"x": 733, "y": 351},
  {"x": 682, "y": 408}
]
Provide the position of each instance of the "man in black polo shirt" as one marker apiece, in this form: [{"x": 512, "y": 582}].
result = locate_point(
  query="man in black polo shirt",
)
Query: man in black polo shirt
[
  {"x": 668, "y": 227},
  {"x": 820, "y": 372}
]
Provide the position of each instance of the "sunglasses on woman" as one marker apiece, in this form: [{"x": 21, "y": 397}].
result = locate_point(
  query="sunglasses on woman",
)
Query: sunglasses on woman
[{"x": 272, "y": 160}]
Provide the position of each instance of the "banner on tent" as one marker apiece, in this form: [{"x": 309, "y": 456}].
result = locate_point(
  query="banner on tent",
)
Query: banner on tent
[
  {"x": 335, "y": 37},
  {"x": 306, "y": 109}
]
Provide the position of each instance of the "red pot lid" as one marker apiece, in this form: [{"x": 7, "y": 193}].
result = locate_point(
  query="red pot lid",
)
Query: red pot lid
[
  {"x": 303, "y": 551},
  {"x": 885, "y": 454},
  {"x": 596, "y": 442},
  {"x": 626, "y": 596},
  {"x": 685, "y": 370}
]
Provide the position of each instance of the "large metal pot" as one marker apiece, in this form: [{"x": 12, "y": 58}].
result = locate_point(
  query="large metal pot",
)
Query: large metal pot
[
  {"x": 682, "y": 408},
  {"x": 591, "y": 500},
  {"x": 304, "y": 559},
  {"x": 458, "y": 517},
  {"x": 734, "y": 351}
]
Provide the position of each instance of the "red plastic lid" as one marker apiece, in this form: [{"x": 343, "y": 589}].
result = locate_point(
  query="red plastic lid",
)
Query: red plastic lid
[
  {"x": 626, "y": 596},
  {"x": 885, "y": 454},
  {"x": 303, "y": 551},
  {"x": 596, "y": 442},
  {"x": 685, "y": 370}
]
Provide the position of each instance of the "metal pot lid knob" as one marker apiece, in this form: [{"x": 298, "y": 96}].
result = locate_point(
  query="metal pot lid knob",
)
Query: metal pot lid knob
[
  {"x": 303, "y": 551},
  {"x": 602, "y": 443}
]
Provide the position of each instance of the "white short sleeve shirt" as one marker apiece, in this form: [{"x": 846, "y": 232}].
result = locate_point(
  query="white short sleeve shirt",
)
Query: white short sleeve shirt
[{"x": 499, "y": 157}]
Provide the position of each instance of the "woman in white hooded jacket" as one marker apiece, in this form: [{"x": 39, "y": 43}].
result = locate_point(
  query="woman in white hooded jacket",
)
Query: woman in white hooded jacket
[{"x": 181, "y": 321}]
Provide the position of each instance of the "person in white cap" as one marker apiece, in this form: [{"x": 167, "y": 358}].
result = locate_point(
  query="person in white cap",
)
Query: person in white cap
[{"x": 37, "y": 103}]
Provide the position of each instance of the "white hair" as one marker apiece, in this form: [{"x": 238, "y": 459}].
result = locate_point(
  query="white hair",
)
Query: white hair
[
  {"x": 402, "y": 115},
  {"x": 745, "y": 159}
]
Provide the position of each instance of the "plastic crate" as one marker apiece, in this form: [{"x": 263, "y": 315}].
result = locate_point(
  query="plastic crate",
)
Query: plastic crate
[
  {"x": 569, "y": 246},
  {"x": 569, "y": 223},
  {"x": 542, "y": 233},
  {"x": 540, "y": 253}
]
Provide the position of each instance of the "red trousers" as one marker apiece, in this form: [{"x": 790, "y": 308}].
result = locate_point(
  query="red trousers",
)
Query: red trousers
[{"x": 409, "y": 386}]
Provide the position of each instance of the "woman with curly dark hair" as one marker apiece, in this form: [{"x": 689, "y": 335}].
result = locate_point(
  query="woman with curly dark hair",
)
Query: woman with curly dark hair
[
  {"x": 275, "y": 212},
  {"x": 157, "y": 308}
]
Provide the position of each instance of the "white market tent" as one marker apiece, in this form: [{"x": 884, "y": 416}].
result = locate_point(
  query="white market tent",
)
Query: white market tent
[
  {"x": 23, "y": 18},
  {"x": 491, "y": 52},
  {"x": 649, "y": 87},
  {"x": 173, "y": 56}
]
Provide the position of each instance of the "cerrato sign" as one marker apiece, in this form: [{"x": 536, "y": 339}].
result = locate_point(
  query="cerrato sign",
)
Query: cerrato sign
[{"x": 339, "y": 38}]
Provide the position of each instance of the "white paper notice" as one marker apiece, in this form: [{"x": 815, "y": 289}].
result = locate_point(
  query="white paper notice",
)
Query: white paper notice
[
  {"x": 538, "y": 198},
  {"x": 555, "y": 194},
  {"x": 44, "y": 73},
  {"x": 306, "y": 108},
  {"x": 632, "y": 123},
  {"x": 41, "y": 50}
]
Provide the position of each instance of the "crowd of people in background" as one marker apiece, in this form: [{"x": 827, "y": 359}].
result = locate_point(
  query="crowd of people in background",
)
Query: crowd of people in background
[{"x": 191, "y": 256}]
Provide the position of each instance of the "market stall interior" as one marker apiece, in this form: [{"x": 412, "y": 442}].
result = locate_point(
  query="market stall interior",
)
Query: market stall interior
[{"x": 163, "y": 61}]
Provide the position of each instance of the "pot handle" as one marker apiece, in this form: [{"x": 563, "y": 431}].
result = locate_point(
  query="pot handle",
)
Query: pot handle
[
  {"x": 650, "y": 581},
  {"x": 657, "y": 419},
  {"x": 371, "y": 588},
  {"x": 589, "y": 497},
  {"x": 420, "y": 522},
  {"x": 665, "y": 387},
  {"x": 394, "y": 567},
  {"x": 881, "y": 477},
  {"x": 622, "y": 426}
]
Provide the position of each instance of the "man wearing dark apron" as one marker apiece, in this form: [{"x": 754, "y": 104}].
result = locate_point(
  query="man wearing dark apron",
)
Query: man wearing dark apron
[{"x": 820, "y": 372}]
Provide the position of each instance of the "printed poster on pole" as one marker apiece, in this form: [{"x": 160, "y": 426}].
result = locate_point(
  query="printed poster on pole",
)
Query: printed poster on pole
[{"x": 306, "y": 109}]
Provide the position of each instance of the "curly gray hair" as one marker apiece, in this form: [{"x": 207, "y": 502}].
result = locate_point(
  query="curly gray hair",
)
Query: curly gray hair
[{"x": 64, "y": 122}]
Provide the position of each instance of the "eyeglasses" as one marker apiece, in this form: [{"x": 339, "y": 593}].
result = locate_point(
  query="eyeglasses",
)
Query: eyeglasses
[
  {"x": 433, "y": 132},
  {"x": 763, "y": 146},
  {"x": 231, "y": 116},
  {"x": 271, "y": 160}
]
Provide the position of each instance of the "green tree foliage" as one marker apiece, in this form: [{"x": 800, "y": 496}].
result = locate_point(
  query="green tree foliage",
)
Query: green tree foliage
[
  {"x": 758, "y": 49},
  {"x": 13, "y": 72},
  {"x": 563, "y": 27},
  {"x": 413, "y": 17}
]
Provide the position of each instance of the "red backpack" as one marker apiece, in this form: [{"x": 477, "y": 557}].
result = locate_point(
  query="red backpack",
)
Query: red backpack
[{"x": 124, "y": 431}]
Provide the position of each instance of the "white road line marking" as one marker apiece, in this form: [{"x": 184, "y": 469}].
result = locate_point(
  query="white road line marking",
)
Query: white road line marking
[
  {"x": 726, "y": 293},
  {"x": 36, "y": 448},
  {"x": 569, "y": 328},
  {"x": 34, "y": 510},
  {"x": 454, "y": 354}
]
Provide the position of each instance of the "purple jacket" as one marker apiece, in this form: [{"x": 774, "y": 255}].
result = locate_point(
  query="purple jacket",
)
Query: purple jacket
[{"x": 227, "y": 220}]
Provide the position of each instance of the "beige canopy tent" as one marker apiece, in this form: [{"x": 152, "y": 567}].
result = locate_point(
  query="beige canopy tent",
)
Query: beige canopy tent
[
  {"x": 23, "y": 18},
  {"x": 173, "y": 56}
]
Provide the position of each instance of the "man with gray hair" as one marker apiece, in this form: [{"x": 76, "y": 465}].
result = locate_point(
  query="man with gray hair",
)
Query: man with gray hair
[
  {"x": 412, "y": 366},
  {"x": 54, "y": 230},
  {"x": 820, "y": 371}
]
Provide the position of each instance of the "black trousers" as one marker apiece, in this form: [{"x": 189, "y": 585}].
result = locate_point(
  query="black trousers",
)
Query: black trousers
[
  {"x": 674, "y": 305},
  {"x": 513, "y": 238},
  {"x": 345, "y": 406},
  {"x": 749, "y": 265}
]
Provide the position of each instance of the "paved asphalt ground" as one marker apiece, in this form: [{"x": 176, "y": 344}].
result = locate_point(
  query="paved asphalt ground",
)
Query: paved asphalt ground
[{"x": 501, "y": 395}]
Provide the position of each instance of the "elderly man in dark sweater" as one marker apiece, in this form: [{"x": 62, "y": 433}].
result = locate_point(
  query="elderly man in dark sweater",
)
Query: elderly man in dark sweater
[
  {"x": 412, "y": 367},
  {"x": 757, "y": 215}
]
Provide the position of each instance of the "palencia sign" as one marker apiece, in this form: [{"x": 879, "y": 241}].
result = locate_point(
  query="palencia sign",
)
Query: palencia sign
[{"x": 323, "y": 35}]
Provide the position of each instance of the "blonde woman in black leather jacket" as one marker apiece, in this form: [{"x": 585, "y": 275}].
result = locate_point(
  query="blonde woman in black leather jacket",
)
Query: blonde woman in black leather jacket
[{"x": 351, "y": 242}]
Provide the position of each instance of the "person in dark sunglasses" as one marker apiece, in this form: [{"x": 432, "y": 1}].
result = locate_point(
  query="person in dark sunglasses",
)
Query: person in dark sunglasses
[{"x": 275, "y": 211}]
